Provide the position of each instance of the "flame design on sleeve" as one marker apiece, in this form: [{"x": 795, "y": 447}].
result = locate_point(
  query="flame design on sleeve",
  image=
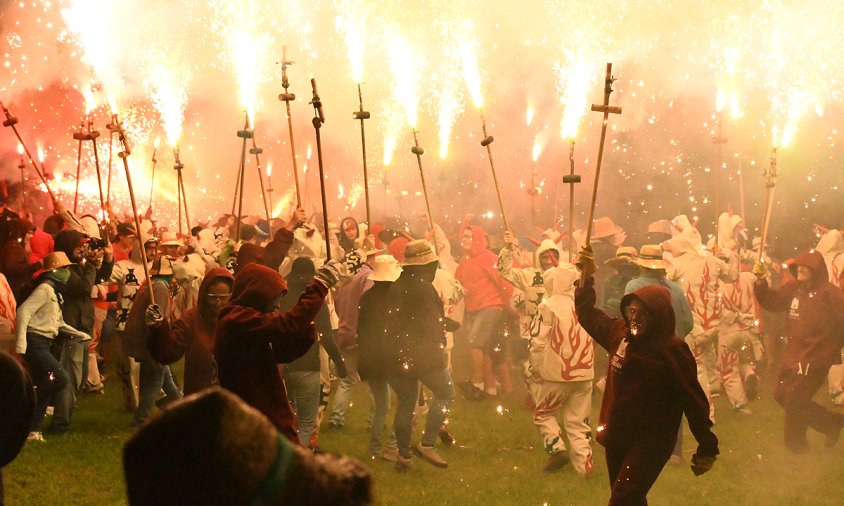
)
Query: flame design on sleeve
[{"x": 574, "y": 347}]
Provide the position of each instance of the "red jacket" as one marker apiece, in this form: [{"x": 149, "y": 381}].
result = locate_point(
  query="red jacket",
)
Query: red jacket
[
  {"x": 250, "y": 341},
  {"x": 814, "y": 324},
  {"x": 652, "y": 380},
  {"x": 478, "y": 275},
  {"x": 192, "y": 337}
]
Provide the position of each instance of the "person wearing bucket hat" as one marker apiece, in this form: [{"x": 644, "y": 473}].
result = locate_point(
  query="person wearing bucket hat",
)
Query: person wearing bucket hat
[
  {"x": 212, "y": 448},
  {"x": 17, "y": 405},
  {"x": 377, "y": 354},
  {"x": 653, "y": 270},
  {"x": 624, "y": 269},
  {"x": 39, "y": 322},
  {"x": 813, "y": 324},
  {"x": 418, "y": 324}
]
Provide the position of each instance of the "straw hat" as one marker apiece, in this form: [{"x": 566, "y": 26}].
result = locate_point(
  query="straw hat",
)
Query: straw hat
[
  {"x": 56, "y": 260},
  {"x": 650, "y": 257},
  {"x": 419, "y": 252},
  {"x": 170, "y": 239},
  {"x": 604, "y": 227},
  {"x": 212, "y": 448},
  {"x": 623, "y": 255},
  {"x": 385, "y": 268}
]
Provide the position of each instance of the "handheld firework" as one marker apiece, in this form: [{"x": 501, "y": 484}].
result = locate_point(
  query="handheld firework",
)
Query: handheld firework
[
  {"x": 288, "y": 97},
  {"x": 318, "y": 121}
]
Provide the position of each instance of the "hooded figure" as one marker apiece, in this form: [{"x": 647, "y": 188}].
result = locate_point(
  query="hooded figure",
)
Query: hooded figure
[
  {"x": 831, "y": 246},
  {"x": 560, "y": 373},
  {"x": 349, "y": 232},
  {"x": 13, "y": 259},
  {"x": 701, "y": 274},
  {"x": 192, "y": 335},
  {"x": 529, "y": 281},
  {"x": 252, "y": 337},
  {"x": 651, "y": 383},
  {"x": 813, "y": 330},
  {"x": 214, "y": 449}
]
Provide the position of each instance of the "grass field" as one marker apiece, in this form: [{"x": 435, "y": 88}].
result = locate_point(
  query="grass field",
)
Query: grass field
[{"x": 497, "y": 459}]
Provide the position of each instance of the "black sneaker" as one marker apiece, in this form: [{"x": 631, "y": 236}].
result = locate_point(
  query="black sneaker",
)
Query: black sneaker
[
  {"x": 751, "y": 387},
  {"x": 556, "y": 461},
  {"x": 471, "y": 392}
]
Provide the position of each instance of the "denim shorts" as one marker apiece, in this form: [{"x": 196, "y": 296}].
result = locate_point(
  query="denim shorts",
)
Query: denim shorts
[{"x": 482, "y": 327}]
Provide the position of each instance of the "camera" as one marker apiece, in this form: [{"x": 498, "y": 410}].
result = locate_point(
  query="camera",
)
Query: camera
[{"x": 95, "y": 243}]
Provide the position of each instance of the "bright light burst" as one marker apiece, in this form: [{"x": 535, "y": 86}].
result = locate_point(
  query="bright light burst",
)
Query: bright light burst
[
  {"x": 575, "y": 80},
  {"x": 471, "y": 73},
  {"x": 405, "y": 69},
  {"x": 168, "y": 93}
]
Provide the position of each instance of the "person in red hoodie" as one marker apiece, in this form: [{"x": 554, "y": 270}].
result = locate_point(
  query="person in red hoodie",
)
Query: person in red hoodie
[
  {"x": 484, "y": 308},
  {"x": 813, "y": 324},
  {"x": 253, "y": 336},
  {"x": 651, "y": 383},
  {"x": 192, "y": 335}
]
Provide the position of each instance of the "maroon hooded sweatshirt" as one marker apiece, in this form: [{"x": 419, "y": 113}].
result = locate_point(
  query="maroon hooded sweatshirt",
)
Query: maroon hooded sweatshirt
[
  {"x": 815, "y": 318},
  {"x": 192, "y": 337},
  {"x": 250, "y": 341},
  {"x": 652, "y": 379}
]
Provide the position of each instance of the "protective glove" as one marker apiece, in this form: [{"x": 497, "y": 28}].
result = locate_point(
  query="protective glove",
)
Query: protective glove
[
  {"x": 153, "y": 317},
  {"x": 701, "y": 465},
  {"x": 329, "y": 273},
  {"x": 760, "y": 270},
  {"x": 341, "y": 370},
  {"x": 353, "y": 261},
  {"x": 586, "y": 261}
]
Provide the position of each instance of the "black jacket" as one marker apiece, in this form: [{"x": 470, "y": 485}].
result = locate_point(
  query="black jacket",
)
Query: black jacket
[
  {"x": 417, "y": 324},
  {"x": 78, "y": 308}
]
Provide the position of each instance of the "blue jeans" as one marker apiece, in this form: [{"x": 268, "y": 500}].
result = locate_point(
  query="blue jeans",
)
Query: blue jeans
[
  {"x": 71, "y": 354},
  {"x": 47, "y": 374},
  {"x": 381, "y": 395},
  {"x": 153, "y": 378},
  {"x": 303, "y": 389},
  {"x": 407, "y": 391},
  {"x": 343, "y": 394}
]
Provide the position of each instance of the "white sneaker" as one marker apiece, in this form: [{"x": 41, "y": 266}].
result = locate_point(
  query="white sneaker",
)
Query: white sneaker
[{"x": 35, "y": 436}]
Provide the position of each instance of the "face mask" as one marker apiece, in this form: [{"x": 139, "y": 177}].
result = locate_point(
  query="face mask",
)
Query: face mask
[
  {"x": 637, "y": 320},
  {"x": 60, "y": 275}
]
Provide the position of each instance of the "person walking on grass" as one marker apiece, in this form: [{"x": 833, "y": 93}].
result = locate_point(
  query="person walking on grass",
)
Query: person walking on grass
[
  {"x": 39, "y": 321},
  {"x": 813, "y": 324},
  {"x": 418, "y": 324},
  {"x": 651, "y": 383},
  {"x": 560, "y": 372}
]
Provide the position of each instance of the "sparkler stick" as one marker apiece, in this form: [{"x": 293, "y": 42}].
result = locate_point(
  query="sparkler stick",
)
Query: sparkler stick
[
  {"x": 571, "y": 179},
  {"x": 22, "y": 166},
  {"x": 607, "y": 109},
  {"x": 255, "y": 150},
  {"x": 152, "y": 177},
  {"x": 487, "y": 142},
  {"x": 318, "y": 121},
  {"x": 244, "y": 134},
  {"x": 11, "y": 121},
  {"x": 719, "y": 140},
  {"x": 418, "y": 151},
  {"x": 124, "y": 155},
  {"x": 288, "y": 97},
  {"x": 92, "y": 135},
  {"x": 181, "y": 198},
  {"x": 111, "y": 131},
  {"x": 362, "y": 116},
  {"x": 770, "y": 186},
  {"x": 80, "y": 136}
]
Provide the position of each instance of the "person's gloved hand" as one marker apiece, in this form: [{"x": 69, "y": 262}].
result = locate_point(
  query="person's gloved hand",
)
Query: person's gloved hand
[
  {"x": 760, "y": 270},
  {"x": 586, "y": 261},
  {"x": 341, "y": 370},
  {"x": 701, "y": 465},
  {"x": 353, "y": 261},
  {"x": 153, "y": 316},
  {"x": 329, "y": 273}
]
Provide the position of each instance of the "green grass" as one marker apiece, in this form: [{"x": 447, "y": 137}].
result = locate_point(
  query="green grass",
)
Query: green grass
[{"x": 497, "y": 460}]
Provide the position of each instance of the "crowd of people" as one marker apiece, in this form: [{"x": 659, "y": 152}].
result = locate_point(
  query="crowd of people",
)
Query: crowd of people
[{"x": 261, "y": 311}]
